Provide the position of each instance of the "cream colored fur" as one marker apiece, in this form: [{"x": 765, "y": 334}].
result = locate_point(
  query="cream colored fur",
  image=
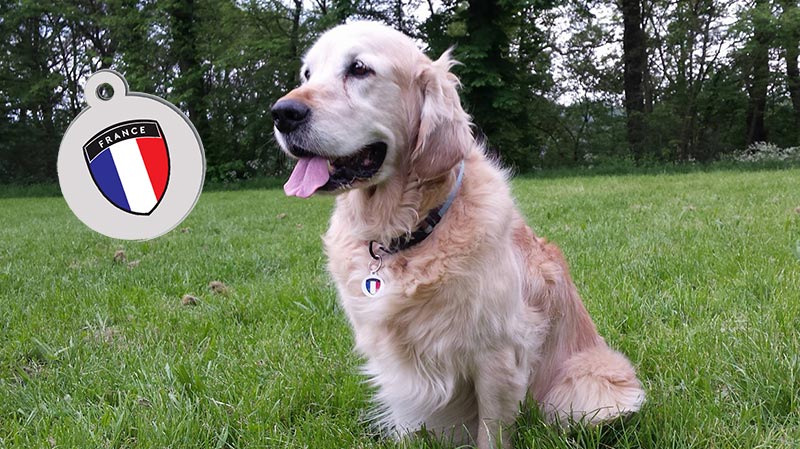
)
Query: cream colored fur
[{"x": 483, "y": 312}]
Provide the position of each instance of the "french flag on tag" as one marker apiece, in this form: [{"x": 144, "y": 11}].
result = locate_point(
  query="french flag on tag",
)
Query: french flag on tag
[
  {"x": 371, "y": 285},
  {"x": 129, "y": 163}
]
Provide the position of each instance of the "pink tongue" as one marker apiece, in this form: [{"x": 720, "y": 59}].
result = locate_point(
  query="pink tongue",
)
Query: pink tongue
[{"x": 309, "y": 174}]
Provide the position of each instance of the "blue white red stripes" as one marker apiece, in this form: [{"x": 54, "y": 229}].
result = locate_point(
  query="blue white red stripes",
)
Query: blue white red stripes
[
  {"x": 131, "y": 172},
  {"x": 371, "y": 285}
]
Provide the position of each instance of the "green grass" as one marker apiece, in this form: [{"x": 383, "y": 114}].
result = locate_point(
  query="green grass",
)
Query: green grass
[{"x": 694, "y": 276}]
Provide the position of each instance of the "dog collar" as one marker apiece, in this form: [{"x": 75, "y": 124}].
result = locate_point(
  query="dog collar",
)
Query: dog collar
[{"x": 424, "y": 229}]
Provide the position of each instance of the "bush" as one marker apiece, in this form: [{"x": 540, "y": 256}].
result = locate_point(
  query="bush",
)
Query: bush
[{"x": 767, "y": 152}]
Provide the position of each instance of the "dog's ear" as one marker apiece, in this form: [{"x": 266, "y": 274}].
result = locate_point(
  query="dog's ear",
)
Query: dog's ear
[{"x": 444, "y": 134}]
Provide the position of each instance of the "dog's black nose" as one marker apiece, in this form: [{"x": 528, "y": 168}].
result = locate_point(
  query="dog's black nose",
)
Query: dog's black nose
[{"x": 289, "y": 114}]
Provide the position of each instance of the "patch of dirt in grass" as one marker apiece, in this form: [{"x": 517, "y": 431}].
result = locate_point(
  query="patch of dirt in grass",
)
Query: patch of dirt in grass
[
  {"x": 119, "y": 256},
  {"x": 33, "y": 367},
  {"x": 29, "y": 369},
  {"x": 218, "y": 288}
]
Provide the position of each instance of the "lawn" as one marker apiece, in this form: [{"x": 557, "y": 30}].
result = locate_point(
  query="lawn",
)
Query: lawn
[{"x": 694, "y": 276}]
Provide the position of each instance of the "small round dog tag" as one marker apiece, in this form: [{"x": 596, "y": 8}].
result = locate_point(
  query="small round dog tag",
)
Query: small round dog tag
[
  {"x": 372, "y": 285},
  {"x": 131, "y": 165}
]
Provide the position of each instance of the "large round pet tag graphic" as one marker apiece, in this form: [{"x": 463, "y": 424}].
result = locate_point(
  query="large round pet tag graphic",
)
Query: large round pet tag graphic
[{"x": 131, "y": 165}]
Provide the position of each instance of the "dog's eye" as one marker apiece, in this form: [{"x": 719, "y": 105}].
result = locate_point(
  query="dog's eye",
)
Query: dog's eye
[
  {"x": 307, "y": 74},
  {"x": 358, "y": 69}
]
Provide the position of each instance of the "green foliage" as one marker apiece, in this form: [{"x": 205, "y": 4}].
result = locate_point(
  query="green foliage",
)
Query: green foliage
[
  {"x": 504, "y": 73},
  {"x": 541, "y": 78},
  {"x": 223, "y": 63}
]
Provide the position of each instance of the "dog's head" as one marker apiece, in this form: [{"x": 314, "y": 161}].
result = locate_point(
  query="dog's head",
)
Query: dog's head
[{"x": 371, "y": 105}]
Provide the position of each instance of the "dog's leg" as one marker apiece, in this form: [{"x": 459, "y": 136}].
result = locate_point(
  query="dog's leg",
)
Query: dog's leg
[{"x": 500, "y": 386}]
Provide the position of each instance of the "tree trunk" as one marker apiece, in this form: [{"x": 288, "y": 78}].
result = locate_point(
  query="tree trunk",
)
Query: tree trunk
[
  {"x": 191, "y": 84},
  {"x": 793, "y": 83},
  {"x": 758, "y": 81},
  {"x": 295, "y": 37},
  {"x": 482, "y": 18},
  {"x": 398, "y": 15},
  {"x": 635, "y": 61},
  {"x": 791, "y": 53}
]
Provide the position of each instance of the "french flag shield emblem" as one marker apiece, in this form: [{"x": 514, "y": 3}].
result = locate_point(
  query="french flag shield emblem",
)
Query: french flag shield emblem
[
  {"x": 129, "y": 163},
  {"x": 371, "y": 285}
]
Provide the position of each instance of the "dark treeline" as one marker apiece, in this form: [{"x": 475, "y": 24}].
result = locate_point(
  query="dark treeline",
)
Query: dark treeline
[{"x": 550, "y": 83}]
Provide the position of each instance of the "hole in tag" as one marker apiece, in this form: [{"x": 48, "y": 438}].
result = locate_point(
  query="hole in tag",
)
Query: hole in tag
[{"x": 104, "y": 91}]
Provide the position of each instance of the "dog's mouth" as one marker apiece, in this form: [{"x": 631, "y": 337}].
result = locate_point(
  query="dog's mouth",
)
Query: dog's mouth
[{"x": 317, "y": 173}]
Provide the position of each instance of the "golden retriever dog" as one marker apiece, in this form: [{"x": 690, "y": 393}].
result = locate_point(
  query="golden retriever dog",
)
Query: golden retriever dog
[{"x": 459, "y": 309}]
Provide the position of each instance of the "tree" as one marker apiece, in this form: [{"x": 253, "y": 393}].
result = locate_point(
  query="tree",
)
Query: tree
[
  {"x": 757, "y": 76},
  {"x": 790, "y": 41},
  {"x": 190, "y": 86},
  {"x": 31, "y": 89},
  {"x": 504, "y": 71},
  {"x": 634, "y": 47},
  {"x": 688, "y": 41}
]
